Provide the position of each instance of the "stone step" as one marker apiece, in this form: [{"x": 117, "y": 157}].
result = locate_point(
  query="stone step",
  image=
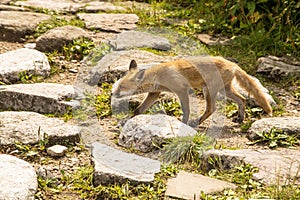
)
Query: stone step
[
  {"x": 115, "y": 166},
  {"x": 18, "y": 179},
  {"x": 15, "y": 25},
  {"x": 21, "y": 62},
  {"x": 45, "y": 98},
  {"x": 188, "y": 186},
  {"x": 30, "y": 128}
]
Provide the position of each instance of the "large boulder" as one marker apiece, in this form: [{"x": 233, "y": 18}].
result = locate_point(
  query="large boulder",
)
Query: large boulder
[
  {"x": 136, "y": 39},
  {"x": 115, "y": 166},
  {"x": 45, "y": 98},
  {"x": 289, "y": 125},
  {"x": 31, "y": 127},
  {"x": 275, "y": 166},
  {"x": 18, "y": 179},
  {"x": 278, "y": 67},
  {"x": 21, "y": 62},
  {"x": 109, "y": 22},
  {"x": 15, "y": 25},
  {"x": 56, "y": 38},
  {"x": 143, "y": 132}
]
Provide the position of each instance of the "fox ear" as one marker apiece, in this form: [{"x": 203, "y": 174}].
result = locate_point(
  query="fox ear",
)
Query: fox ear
[
  {"x": 140, "y": 75},
  {"x": 133, "y": 65}
]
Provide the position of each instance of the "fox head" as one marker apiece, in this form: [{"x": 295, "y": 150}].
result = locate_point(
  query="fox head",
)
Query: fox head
[{"x": 130, "y": 83}]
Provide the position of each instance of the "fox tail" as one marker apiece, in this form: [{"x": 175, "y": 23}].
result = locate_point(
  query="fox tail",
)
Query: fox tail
[{"x": 247, "y": 83}]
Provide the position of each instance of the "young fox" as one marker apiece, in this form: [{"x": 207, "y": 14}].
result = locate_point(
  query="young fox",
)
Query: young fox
[{"x": 213, "y": 74}]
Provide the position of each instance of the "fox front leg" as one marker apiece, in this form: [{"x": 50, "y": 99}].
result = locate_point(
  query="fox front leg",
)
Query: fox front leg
[
  {"x": 148, "y": 101},
  {"x": 185, "y": 105}
]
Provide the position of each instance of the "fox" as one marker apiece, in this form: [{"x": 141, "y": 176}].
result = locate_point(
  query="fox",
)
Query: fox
[{"x": 213, "y": 74}]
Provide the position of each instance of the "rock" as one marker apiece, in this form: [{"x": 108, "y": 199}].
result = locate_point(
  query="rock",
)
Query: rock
[
  {"x": 189, "y": 186},
  {"x": 28, "y": 61},
  {"x": 18, "y": 179},
  {"x": 57, "y": 150},
  {"x": 96, "y": 6},
  {"x": 114, "y": 65},
  {"x": 246, "y": 94},
  {"x": 56, "y": 38},
  {"x": 144, "y": 131},
  {"x": 30, "y": 127},
  {"x": 275, "y": 167},
  {"x": 290, "y": 125},
  {"x": 109, "y": 22},
  {"x": 56, "y": 5},
  {"x": 115, "y": 166},
  {"x": 12, "y": 8},
  {"x": 136, "y": 39},
  {"x": 15, "y": 25},
  {"x": 213, "y": 40},
  {"x": 278, "y": 67},
  {"x": 45, "y": 98}
]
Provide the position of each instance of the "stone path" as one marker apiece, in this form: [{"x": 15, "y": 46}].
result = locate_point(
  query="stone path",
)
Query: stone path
[{"x": 22, "y": 105}]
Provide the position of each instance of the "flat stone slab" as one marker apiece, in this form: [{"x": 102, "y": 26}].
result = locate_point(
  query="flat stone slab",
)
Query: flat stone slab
[
  {"x": 275, "y": 166},
  {"x": 189, "y": 186},
  {"x": 30, "y": 127},
  {"x": 109, "y": 22},
  {"x": 137, "y": 39},
  {"x": 290, "y": 125},
  {"x": 18, "y": 179},
  {"x": 45, "y": 98},
  {"x": 29, "y": 61},
  {"x": 98, "y": 6},
  {"x": 142, "y": 132},
  {"x": 56, "y": 5},
  {"x": 278, "y": 66},
  {"x": 56, "y": 38},
  {"x": 15, "y": 25},
  {"x": 115, "y": 166}
]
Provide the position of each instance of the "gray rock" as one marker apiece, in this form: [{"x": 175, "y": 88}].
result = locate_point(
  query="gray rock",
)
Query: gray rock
[
  {"x": 109, "y": 22},
  {"x": 213, "y": 40},
  {"x": 189, "y": 186},
  {"x": 30, "y": 127},
  {"x": 115, "y": 166},
  {"x": 15, "y": 25},
  {"x": 56, "y": 5},
  {"x": 261, "y": 87},
  {"x": 45, "y": 98},
  {"x": 56, "y": 38},
  {"x": 278, "y": 67},
  {"x": 136, "y": 39},
  {"x": 144, "y": 131},
  {"x": 12, "y": 8},
  {"x": 114, "y": 65},
  {"x": 275, "y": 167},
  {"x": 18, "y": 179},
  {"x": 97, "y": 6},
  {"x": 29, "y": 61},
  {"x": 290, "y": 125},
  {"x": 57, "y": 150}
]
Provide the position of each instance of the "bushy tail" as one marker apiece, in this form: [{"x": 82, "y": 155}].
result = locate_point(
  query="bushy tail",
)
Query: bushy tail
[{"x": 247, "y": 83}]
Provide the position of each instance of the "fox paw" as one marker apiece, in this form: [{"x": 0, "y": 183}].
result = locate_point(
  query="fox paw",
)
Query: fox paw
[{"x": 193, "y": 123}]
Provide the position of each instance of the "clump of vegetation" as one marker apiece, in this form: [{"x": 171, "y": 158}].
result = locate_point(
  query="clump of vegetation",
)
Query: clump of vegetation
[
  {"x": 102, "y": 101},
  {"x": 276, "y": 138},
  {"x": 78, "y": 49},
  {"x": 187, "y": 149}
]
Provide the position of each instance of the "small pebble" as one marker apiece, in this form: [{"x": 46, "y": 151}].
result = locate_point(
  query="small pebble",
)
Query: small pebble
[{"x": 57, "y": 150}]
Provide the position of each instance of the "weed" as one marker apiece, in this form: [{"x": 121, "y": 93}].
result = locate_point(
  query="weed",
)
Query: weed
[
  {"x": 102, "y": 101},
  {"x": 185, "y": 149},
  {"x": 26, "y": 78},
  {"x": 275, "y": 138},
  {"x": 78, "y": 49}
]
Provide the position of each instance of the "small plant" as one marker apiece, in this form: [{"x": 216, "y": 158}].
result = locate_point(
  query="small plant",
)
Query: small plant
[
  {"x": 275, "y": 138},
  {"x": 27, "y": 78},
  {"x": 78, "y": 49},
  {"x": 185, "y": 149},
  {"x": 102, "y": 101}
]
